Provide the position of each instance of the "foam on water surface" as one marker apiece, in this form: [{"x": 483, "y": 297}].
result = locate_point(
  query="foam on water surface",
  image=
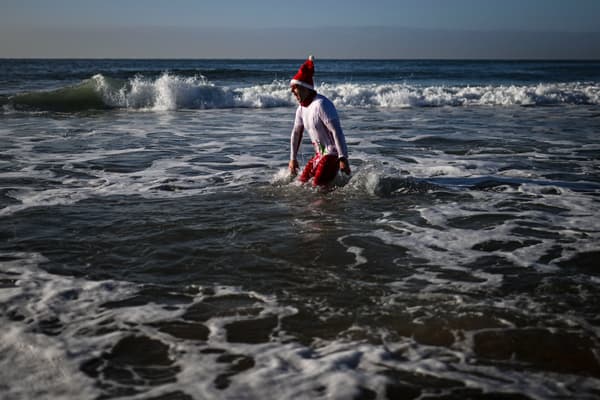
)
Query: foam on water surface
[
  {"x": 119, "y": 339},
  {"x": 170, "y": 92},
  {"x": 160, "y": 249}
]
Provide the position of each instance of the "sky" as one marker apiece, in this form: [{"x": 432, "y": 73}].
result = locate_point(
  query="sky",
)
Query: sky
[{"x": 531, "y": 29}]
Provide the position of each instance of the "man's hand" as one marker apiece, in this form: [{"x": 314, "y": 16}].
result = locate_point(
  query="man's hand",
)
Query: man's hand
[
  {"x": 293, "y": 166},
  {"x": 344, "y": 165}
]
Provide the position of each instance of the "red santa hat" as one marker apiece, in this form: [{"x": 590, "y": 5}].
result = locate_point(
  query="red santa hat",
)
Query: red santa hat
[{"x": 304, "y": 77}]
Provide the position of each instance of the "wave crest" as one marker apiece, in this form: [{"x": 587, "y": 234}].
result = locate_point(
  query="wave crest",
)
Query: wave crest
[
  {"x": 174, "y": 92},
  {"x": 404, "y": 96},
  {"x": 167, "y": 92}
]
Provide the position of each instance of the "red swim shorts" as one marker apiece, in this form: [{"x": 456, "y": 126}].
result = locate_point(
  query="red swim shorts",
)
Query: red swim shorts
[{"x": 322, "y": 168}]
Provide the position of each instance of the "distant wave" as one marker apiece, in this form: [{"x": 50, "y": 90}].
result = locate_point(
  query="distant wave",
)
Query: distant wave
[
  {"x": 175, "y": 92},
  {"x": 401, "y": 95}
]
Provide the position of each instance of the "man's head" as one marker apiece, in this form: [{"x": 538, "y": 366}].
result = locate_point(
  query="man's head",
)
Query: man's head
[{"x": 302, "y": 84}]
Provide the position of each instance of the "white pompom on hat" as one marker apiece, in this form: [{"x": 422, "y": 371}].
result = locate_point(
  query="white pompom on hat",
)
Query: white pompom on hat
[{"x": 304, "y": 76}]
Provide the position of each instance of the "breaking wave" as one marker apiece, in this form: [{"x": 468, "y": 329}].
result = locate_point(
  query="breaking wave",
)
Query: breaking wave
[{"x": 175, "y": 92}]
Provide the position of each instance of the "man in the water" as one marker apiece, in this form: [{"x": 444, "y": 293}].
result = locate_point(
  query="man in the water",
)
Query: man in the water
[{"x": 318, "y": 116}]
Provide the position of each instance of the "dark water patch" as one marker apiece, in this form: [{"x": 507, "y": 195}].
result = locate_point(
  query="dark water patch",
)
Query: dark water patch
[
  {"x": 124, "y": 163},
  {"x": 12, "y": 183},
  {"x": 398, "y": 322},
  {"x": 304, "y": 329},
  {"x": 455, "y": 275},
  {"x": 212, "y": 350},
  {"x": 588, "y": 154},
  {"x": 515, "y": 278},
  {"x": 162, "y": 240},
  {"x": 510, "y": 205},
  {"x": 7, "y": 158},
  {"x": 216, "y": 158},
  {"x": 566, "y": 177},
  {"x": 6, "y": 200},
  {"x": 184, "y": 330},
  {"x": 440, "y": 141},
  {"x": 318, "y": 254},
  {"x": 13, "y": 315},
  {"x": 442, "y": 195},
  {"x": 382, "y": 261},
  {"x": 51, "y": 326},
  {"x": 485, "y": 183},
  {"x": 229, "y": 165},
  {"x": 533, "y": 205},
  {"x": 442, "y": 329},
  {"x": 480, "y": 221},
  {"x": 169, "y": 188},
  {"x": 518, "y": 280},
  {"x": 540, "y": 349},
  {"x": 185, "y": 171},
  {"x": 140, "y": 351},
  {"x": 69, "y": 295},
  {"x": 251, "y": 331},
  {"x": 4, "y": 101},
  {"x": 465, "y": 321},
  {"x": 562, "y": 294},
  {"x": 433, "y": 332},
  {"x": 364, "y": 393},
  {"x": 400, "y": 390},
  {"x": 413, "y": 385},
  {"x": 102, "y": 327},
  {"x": 587, "y": 262},
  {"x": 389, "y": 186},
  {"x": 223, "y": 306},
  {"x": 237, "y": 363},
  {"x": 151, "y": 294},
  {"x": 390, "y": 146},
  {"x": 551, "y": 254},
  {"x": 536, "y": 232},
  {"x": 63, "y": 147},
  {"x": 503, "y": 245},
  {"x": 7, "y": 283},
  {"x": 134, "y": 363}
]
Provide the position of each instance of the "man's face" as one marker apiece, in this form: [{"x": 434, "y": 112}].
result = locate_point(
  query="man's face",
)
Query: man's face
[{"x": 299, "y": 92}]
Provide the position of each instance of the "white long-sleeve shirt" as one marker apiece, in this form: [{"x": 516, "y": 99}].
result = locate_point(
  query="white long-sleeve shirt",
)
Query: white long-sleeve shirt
[{"x": 320, "y": 119}]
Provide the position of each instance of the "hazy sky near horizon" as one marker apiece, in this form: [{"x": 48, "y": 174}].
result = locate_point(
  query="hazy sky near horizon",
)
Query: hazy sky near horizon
[{"x": 285, "y": 29}]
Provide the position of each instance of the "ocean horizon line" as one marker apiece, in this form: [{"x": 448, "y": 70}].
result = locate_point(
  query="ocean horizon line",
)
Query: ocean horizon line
[{"x": 270, "y": 59}]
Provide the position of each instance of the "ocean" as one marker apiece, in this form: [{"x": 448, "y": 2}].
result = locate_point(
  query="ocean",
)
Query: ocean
[{"x": 154, "y": 246}]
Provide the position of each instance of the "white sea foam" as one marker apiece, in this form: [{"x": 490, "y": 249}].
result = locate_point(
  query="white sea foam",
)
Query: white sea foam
[
  {"x": 42, "y": 365},
  {"x": 35, "y": 365},
  {"x": 170, "y": 92},
  {"x": 173, "y": 92}
]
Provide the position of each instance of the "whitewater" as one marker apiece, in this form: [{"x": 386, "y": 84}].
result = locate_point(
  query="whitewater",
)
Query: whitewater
[
  {"x": 172, "y": 92},
  {"x": 154, "y": 246}
]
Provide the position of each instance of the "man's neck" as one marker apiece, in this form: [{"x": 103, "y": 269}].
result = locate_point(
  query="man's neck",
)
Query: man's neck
[{"x": 311, "y": 96}]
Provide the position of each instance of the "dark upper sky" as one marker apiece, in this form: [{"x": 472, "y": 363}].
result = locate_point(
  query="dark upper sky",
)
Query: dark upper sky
[{"x": 281, "y": 29}]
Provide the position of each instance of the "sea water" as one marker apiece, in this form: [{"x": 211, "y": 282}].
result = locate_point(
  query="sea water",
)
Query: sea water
[{"x": 153, "y": 245}]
